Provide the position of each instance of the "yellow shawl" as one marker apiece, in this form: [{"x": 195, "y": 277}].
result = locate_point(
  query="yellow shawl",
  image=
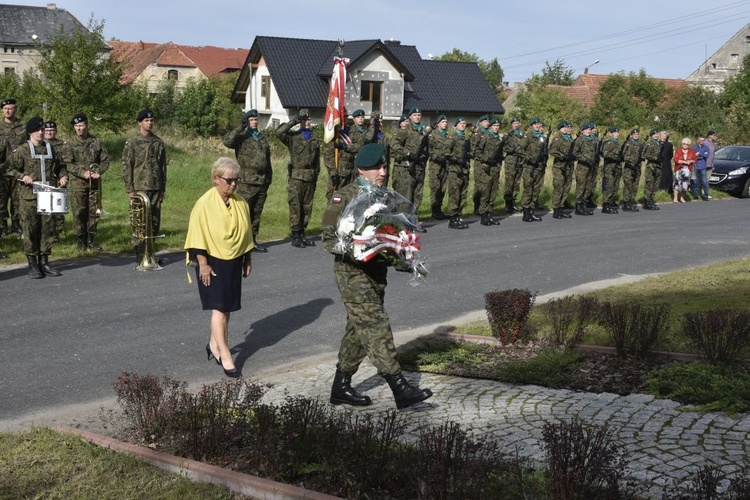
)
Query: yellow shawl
[{"x": 222, "y": 232}]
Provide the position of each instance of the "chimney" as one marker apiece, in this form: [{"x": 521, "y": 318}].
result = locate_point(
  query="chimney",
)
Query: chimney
[
  {"x": 51, "y": 6},
  {"x": 393, "y": 42}
]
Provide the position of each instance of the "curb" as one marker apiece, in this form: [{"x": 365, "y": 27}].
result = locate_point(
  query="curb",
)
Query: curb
[{"x": 245, "y": 484}]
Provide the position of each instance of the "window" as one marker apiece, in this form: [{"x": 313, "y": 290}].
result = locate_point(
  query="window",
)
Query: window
[
  {"x": 265, "y": 90},
  {"x": 372, "y": 92},
  {"x": 10, "y": 71},
  {"x": 173, "y": 74}
]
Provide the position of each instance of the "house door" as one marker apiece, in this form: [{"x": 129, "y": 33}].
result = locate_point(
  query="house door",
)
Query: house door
[{"x": 372, "y": 92}]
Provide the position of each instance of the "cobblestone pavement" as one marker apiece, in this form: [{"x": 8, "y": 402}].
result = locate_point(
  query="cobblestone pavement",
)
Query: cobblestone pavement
[{"x": 663, "y": 445}]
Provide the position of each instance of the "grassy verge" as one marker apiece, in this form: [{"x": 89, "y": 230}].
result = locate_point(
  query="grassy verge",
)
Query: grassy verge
[{"x": 42, "y": 463}]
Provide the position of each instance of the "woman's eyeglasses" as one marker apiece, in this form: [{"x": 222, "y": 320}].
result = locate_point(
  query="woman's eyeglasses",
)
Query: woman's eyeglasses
[{"x": 235, "y": 180}]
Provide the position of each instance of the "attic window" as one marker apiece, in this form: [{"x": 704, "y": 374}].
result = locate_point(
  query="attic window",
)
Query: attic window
[
  {"x": 747, "y": 39},
  {"x": 173, "y": 74}
]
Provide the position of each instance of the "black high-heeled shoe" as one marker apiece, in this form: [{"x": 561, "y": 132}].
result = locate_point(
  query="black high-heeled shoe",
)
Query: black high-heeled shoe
[
  {"x": 210, "y": 355},
  {"x": 233, "y": 373}
]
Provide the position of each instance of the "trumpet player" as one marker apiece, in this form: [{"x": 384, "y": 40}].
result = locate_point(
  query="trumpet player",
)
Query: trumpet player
[
  {"x": 144, "y": 168},
  {"x": 50, "y": 135},
  {"x": 86, "y": 160}
]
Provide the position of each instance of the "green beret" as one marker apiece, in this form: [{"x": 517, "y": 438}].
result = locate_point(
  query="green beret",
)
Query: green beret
[
  {"x": 614, "y": 129},
  {"x": 358, "y": 112},
  {"x": 251, "y": 113},
  {"x": 534, "y": 120},
  {"x": 7, "y": 102},
  {"x": 371, "y": 155},
  {"x": 585, "y": 126},
  {"x": 413, "y": 110},
  {"x": 440, "y": 118},
  {"x": 483, "y": 118},
  {"x": 145, "y": 113},
  {"x": 403, "y": 118},
  {"x": 34, "y": 124},
  {"x": 494, "y": 121},
  {"x": 515, "y": 119},
  {"x": 635, "y": 131},
  {"x": 653, "y": 131},
  {"x": 459, "y": 120},
  {"x": 562, "y": 124}
]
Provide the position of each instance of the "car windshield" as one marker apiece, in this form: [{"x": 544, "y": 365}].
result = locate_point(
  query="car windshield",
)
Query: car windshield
[{"x": 736, "y": 153}]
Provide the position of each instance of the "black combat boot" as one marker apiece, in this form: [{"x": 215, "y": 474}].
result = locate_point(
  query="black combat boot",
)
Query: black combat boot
[
  {"x": 509, "y": 208},
  {"x": 91, "y": 244},
  {"x": 580, "y": 210},
  {"x": 588, "y": 210},
  {"x": 493, "y": 222},
  {"x": 297, "y": 240},
  {"x": 533, "y": 216},
  {"x": 258, "y": 247},
  {"x": 437, "y": 213},
  {"x": 34, "y": 272},
  {"x": 485, "y": 220},
  {"x": 305, "y": 240},
  {"x": 17, "y": 226},
  {"x": 404, "y": 393},
  {"x": 526, "y": 215},
  {"x": 607, "y": 209},
  {"x": 81, "y": 243},
  {"x": 45, "y": 267},
  {"x": 455, "y": 223},
  {"x": 557, "y": 213},
  {"x": 342, "y": 391}
]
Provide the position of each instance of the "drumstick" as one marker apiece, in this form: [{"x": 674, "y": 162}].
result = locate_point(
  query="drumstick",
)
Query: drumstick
[{"x": 37, "y": 183}]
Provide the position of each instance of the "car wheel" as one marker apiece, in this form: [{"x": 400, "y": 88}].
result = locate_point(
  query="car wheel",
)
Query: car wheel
[{"x": 746, "y": 190}]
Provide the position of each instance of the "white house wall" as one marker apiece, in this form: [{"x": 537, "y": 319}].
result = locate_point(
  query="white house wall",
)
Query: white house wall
[{"x": 268, "y": 116}]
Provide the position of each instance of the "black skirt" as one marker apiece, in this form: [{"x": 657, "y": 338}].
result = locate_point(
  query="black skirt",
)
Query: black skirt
[{"x": 225, "y": 292}]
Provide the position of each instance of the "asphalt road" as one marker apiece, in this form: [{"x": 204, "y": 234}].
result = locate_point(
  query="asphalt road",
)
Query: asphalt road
[{"x": 66, "y": 340}]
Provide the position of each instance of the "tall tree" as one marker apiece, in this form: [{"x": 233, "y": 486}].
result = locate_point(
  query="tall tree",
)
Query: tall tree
[
  {"x": 557, "y": 73},
  {"x": 551, "y": 104},
  {"x": 735, "y": 102},
  {"x": 629, "y": 100},
  {"x": 491, "y": 70},
  {"x": 692, "y": 111}
]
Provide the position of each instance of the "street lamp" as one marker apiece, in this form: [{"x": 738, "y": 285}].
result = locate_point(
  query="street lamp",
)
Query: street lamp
[{"x": 586, "y": 69}]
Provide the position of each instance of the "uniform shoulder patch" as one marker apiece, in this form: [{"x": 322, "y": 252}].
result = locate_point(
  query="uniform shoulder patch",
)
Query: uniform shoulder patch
[{"x": 336, "y": 200}]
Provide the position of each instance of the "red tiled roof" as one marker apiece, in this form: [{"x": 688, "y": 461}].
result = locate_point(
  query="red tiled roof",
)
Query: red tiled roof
[
  {"x": 586, "y": 87},
  {"x": 137, "y": 56}
]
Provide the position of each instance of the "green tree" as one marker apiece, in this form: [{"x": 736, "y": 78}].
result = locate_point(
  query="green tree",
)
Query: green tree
[
  {"x": 551, "y": 104},
  {"x": 76, "y": 74},
  {"x": 735, "y": 105},
  {"x": 491, "y": 70},
  {"x": 628, "y": 100},
  {"x": 692, "y": 111},
  {"x": 204, "y": 106},
  {"x": 557, "y": 73}
]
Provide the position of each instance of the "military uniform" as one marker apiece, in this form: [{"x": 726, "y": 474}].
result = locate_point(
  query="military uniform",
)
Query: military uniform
[
  {"x": 85, "y": 155},
  {"x": 488, "y": 156},
  {"x": 57, "y": 146},
  {"x": 535, "y": 165},
  {"x": 440, "y": 148},
  {"x": 304, "y": 167},
  {"x": 594, "y": 171},
  {"x": 459, "y": 167},
  {"x": 410, "y": 150},
  {"x": 652, "y": 155},
  {"x": 514, "y": 160},
  {"x": 584, "y": 151},
  {"x": 477, "y": 134},
  {"x": 253, "y": 154},
  {"x": 342, "y": 174},
  {"x": 561, "y": 151},
  {"x": 631, "y": 172},
  {"x": 612, "y": 154},
  {"x": 15, "y": 135}
]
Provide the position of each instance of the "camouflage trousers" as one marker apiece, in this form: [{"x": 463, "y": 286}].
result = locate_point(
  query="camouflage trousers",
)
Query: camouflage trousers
[
  {"x": 458, "y": 188},
  {"x": 611, "y": 182},
  {"x": 255, "y": 196},
  {"x": 652, "y": 178},
  {"x": 408, "y": 185},
  {"x": 533, "y": 179},
  {"x": 83, "y": 211},
  {"x": 489, "y": 178},
  {"x": 346, "y": 175},
  {"x": 438, "y": 175},
  {"x": 368, "y": 328},
  {"x": 513, "y": 176},
  {"x": 9, "y": 200},
  {"x": 38, "y": 229},
  {"x": 631, "y": 176},
  {"x": 300, "y": 196},
  {"x": 479, "y": 181},
  {"x": 591, "y": 181},
  {"x": 562, "y": 179},
  {"x": 583, "y": 182}
]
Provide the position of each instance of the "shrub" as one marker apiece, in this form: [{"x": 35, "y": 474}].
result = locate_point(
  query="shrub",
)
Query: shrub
[
  {"x": 569, "y": 317},
  {"x": 721, "y": 336},
  {"x": 635, "y": 329},
  {"x": 549, "y": 368},
  {"x": 508, "y": 313},
  {"x": 583, "y": 461}
]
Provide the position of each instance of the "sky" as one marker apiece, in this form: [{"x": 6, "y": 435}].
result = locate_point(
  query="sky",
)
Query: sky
[{"x": 666, "y": 38}]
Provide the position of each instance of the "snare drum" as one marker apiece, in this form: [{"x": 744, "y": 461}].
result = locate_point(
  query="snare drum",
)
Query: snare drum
[{"x": 51, "y": 201}]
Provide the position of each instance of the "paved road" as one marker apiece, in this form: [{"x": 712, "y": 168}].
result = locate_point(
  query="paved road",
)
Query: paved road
[{"x": 65, "y": 340}]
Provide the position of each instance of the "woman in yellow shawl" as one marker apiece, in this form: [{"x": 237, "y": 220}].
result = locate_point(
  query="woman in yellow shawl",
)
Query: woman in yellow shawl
[{"x": 219, "y": 239}]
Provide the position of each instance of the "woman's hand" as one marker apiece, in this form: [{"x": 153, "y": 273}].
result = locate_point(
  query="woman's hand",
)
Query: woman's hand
[
  {"x": 206, "y": 272},
  {"x": 247, "y": 266}
]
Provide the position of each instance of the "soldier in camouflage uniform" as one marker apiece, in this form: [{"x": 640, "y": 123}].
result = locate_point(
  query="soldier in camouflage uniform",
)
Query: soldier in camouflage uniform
[
  {"x": 362, "y": 286},
  {"x": 535, "y": 166},
  {"x": 514, "y": 159},
  {"x": 253, "y": 154},
  {"x": 584, "y": 151},
  {"x": 488, "y": 155},
  {"x": 5, "y": 153},
  {"x": 631, "y": 171},
  {"x": 410, "y": 152},
  {"x": 483, "y": 127},
  {"x": 25, "y": 166},
  {"x": 86, "y": 159},
  {"x": 50, "y": 135},
  {"x": 459, "y": 167},
  {"x": 144, "y": 168},
  {"x": 651, "y": 153},
  {"x": 14, "y": 130},
  {"x": 440, "y": 147},
  {"x": 612, "y": 154},
  {"x": 403, "y": 122},
  {"x": 342, "y": 173},
  {"x": 594, "y": 171},
  {"x": 561, "y": 151},
  {"x": 304, "y": 167}
]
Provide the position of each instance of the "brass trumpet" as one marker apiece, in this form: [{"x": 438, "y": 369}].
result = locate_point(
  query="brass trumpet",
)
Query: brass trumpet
[
  {"x": 143, "y": 237},
  {"x": 95, "y": 192}
]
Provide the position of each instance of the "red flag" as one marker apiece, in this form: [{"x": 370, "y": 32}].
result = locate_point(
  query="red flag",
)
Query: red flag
[{"x": 336, "y": 98}]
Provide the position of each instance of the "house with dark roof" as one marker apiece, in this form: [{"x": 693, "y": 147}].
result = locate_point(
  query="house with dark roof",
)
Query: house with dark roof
[
  {"x": 153, "y": 63},
  {"x": 282, "y": 75},
  {"x": 24, "y": 28},
  {"x": 723, "y": 63}
]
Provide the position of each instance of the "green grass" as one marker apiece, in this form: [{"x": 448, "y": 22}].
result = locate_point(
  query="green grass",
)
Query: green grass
[
  {"x": 42, "y": 463},
  {"x": 550, "y": 368}
]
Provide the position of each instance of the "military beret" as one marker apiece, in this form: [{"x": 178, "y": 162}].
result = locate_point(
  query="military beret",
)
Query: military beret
[
  {"x": 484, "y": 117},
  {"x": 50, "y": 124},
  {"x": 635, "y": 131},
  {"x": 370, "y": 155},
  {"x": 585, "y": 126},
  {"x": 653, "y": 131},
  {"x": 145, "y": 113},
  {"x": 562, "y": 124},
  {"x": 593, "y": 125},
  {"x": 79, "y": 118},
  {"x": 440, "y": 118},
  {"x": 614, "y": 129},
  {"x": 250, "y": 113},
  {"x": 534, "y": 120},
  {"x": 414, "y": 109},
  {"x": 515, "y": 119},
  {"x": 494, "y": 121},
  {"x": 403, "y": 118},
  {"x": 459, "y": 120},
  {"x": 34, "y": 124},
  {"x": 358, "y": 112},
  {"x": 7, "y": 102}
]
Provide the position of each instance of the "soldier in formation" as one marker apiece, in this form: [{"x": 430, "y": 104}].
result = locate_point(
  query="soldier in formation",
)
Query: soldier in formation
[
  {"x": 488, "y": 157},
  {"x": 13, "y": 129},
  {"x": 536, "y": 153},
  {"x": 652, "y": 173},
  {"x": 514, "y": 161},
  {"x": 612, "y": 154},
  {"x": 631, "y": 170},
  {"x": 584, "y": 152},
  {"x": 410, "y": 152},
  {"x": 440, "y": 148},
  {"x": 482, "y": 127},
  {"x": 561, "y": 151},
  {"x": 50, "y": 135},
  {"x": 459, "y": 166}
]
